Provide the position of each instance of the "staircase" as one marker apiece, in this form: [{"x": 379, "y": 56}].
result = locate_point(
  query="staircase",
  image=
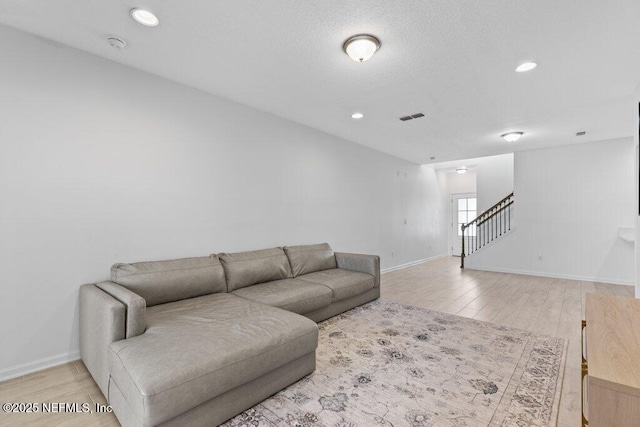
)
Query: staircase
[{"x": 487, "y": 227}]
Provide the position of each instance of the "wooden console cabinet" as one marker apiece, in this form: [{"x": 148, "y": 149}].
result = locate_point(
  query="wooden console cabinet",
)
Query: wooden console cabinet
[{"x": 611, "y": 362}]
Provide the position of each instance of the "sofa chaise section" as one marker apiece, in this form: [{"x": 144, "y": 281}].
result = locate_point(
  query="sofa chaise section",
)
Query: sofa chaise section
[
  {"x": 197, "y": 349},
  {"x": 112, "y": 310}
]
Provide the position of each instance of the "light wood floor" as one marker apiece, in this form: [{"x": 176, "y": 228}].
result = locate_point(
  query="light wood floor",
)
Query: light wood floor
[
  {"x": 541, "y": 305},
  {"x": 537, "y": 304}
]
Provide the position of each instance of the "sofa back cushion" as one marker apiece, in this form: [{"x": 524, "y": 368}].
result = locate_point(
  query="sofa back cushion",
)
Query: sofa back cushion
[
  {"x": 159, "y": 282},
  {"x": 309, "y": 258},
  {"x": 249, "y": 268}
]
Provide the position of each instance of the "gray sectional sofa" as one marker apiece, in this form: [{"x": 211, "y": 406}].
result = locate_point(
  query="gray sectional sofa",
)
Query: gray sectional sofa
[{"x": 195, "y": 341}]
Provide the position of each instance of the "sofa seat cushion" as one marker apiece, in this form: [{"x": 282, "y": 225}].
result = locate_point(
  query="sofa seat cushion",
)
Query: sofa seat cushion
[
  {"x": 196, "y": 349},
  {"x": 290, "y": 294},
  {"x": 343, "y": 283}
]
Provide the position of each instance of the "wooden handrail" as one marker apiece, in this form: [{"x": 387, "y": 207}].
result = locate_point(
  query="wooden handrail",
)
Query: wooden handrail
[
  {"x": 464, "y": 226},
  {"x": 503, "y": 207},
  {"x": 510, "y": 195}
]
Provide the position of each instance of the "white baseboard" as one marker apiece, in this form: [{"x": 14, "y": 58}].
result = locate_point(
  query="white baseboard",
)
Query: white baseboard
[
  {"x": 412, "y": 263},
  {"x": 553, "y": 275},
  {"x": 38, "y": 365}
]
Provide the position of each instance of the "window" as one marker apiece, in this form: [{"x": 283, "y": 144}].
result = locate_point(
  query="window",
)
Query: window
[{"x": 466, "y": 214}]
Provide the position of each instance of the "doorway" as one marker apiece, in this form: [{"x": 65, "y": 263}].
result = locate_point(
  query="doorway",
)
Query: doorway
[{"x": 463, "y": 210}]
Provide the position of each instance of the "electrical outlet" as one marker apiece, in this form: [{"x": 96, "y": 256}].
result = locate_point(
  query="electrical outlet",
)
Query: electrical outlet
[
  {"x": 405, "y": 221},
  {"x": 539, "y": 257},
  {"x": 393, "y": 254}
]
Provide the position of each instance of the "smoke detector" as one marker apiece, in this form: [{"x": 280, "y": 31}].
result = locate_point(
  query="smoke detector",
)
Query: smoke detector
[{"x": 117, "y": 43}]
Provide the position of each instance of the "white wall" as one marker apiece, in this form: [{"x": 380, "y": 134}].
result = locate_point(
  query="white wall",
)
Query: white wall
[
  {"x": 461, "y": 183},
  {"x": 491, "y": 178},
  {"x": 100, "y": 163},
  {"x": 569, "y": 203},
  {"x": 495, "y": 179}
]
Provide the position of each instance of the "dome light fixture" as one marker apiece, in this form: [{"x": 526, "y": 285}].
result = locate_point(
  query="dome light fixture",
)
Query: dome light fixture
[
  {"x": 461, "y": 170},
  {"x": 526, "y": 66},
  {"x": 357, "y": 115},
  {"x": 361, "y": 47},
  {"x": 512, "y": 136},
  {"x": 144, "y": 17}
]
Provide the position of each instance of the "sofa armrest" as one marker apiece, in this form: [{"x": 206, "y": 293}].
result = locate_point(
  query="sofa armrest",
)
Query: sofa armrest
[
  {"x": 102, "y": 321},
  {"x": 135, "y": 304},
  {"x": 358, "y": 262}
]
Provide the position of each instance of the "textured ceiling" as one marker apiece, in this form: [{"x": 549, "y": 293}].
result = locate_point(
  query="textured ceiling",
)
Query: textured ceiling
[{"x": 452, "y": 60}]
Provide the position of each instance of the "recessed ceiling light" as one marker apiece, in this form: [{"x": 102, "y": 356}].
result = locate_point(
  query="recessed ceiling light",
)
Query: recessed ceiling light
[
  {"x": 361, "y": 47},
  {"x": 461, "y": 170},
  {"x": 144, "y": 17},
  {"x": 357, "y": 115},
  {"x": 512, "y": 136},
  {"x": 527, "y": 66}
]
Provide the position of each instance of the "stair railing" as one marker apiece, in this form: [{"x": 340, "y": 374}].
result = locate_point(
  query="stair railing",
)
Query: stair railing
[{"x": 486, "y": 227}]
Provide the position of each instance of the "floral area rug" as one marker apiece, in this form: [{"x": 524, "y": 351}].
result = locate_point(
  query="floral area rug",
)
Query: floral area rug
[{"x": 388, "y": 364}]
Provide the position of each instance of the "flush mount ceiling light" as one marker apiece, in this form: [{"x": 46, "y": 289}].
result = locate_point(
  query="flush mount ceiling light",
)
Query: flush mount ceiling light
[
  {"x": 361, "y": 47},
  {"x": 357, "y": 115},
  {"x": 512, "y": 136},
  {"x": 527, "y": 66},
  {"x": 461, "y": 170},
  {"x": 144, "y": 17}
]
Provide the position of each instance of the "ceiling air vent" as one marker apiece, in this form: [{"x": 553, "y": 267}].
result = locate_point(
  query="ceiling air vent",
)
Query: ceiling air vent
[
  {"x": 412, "y": 116},
  {"x": 581, "y": 133}
]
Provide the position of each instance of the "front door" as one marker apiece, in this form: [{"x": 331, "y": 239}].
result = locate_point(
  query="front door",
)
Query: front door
[{"x": 463, "y": 210}]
